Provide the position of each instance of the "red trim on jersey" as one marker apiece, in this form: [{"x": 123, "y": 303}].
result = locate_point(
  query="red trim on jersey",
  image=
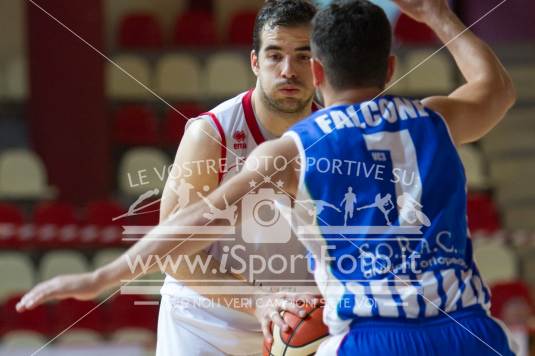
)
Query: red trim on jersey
[
  {"x": 250, "y": 118},
  {"x": 223, "y": 143}
]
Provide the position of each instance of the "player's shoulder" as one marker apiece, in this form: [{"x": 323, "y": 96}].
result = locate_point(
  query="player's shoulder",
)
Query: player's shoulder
[
  {"x": 200, "y": 132},
  {"x": 230, "y": 108},
  {"x": 213, "y": 120}
]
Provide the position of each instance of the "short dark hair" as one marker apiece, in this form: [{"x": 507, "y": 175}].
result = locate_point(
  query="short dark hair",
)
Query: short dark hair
[
  {"x": 281, "y": 13},
  {"x": 352, "y": 39}
]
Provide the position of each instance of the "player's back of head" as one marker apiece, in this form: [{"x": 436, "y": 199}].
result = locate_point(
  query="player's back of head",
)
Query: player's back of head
[{"x": 352, "y": 39}]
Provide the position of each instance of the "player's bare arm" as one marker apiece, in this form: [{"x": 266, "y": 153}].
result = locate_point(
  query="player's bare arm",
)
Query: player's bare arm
[
  {"x": 90, "y": 285},
  {"x": 200, "y": 143},
  {"x": 86, "y": 286},
  {"x": 232, "y": 192},
  {"x": 477, "y": 106}
]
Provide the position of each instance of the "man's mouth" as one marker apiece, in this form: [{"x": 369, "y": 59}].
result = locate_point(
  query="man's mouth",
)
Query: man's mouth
[{"x": 289, "y": 89}]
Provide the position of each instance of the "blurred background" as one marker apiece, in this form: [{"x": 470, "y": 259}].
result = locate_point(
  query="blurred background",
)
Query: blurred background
[{"x": 75, "y": 131}]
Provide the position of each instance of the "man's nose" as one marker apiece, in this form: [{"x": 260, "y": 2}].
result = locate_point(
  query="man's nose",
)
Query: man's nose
[{"x": 288, "y": 68}]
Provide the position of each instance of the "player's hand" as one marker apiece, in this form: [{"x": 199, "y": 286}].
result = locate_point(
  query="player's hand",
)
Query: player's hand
[
  {"x": 422, "y": 10},
  {"x": 269, "y": 307},
  {"x": 81, "y": 286}
]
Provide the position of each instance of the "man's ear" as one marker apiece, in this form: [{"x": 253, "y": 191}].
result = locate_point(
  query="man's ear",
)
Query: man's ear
[
  {"x": 254, "y": 62},
  {"x": 391, "y": 68},
  {"x": 318, "y": 72}
]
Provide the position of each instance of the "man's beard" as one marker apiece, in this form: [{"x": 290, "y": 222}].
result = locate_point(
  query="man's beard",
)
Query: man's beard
[{"x": 286, "y": 105}]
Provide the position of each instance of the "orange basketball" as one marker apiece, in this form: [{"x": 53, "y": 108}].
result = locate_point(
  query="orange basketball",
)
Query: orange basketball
[{"x": 304, "y": 336}]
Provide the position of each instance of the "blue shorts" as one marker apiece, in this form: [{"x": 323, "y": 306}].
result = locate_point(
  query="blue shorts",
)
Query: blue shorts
[{"x": 479, "y": 335}]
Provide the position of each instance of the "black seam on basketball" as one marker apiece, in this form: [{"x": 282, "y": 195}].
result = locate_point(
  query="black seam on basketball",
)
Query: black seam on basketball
[
  {"x": 297, "y": 328},
  {"x": 290, "y": 338}
]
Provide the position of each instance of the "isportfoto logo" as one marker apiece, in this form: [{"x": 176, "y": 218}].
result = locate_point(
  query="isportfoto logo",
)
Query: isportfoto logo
[
  {"x": 266, "y": 212},
  {"x": 235, "y": 259},
  {"x": 269, "y": 216},
  {"x": 370, "y": 262},
  {"x": 263, "y": 212}
]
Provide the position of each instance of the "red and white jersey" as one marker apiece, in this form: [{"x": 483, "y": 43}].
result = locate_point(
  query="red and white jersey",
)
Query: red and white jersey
[
  {"x": 238, "y": 129},
  {"x": 240, "y": 133}
]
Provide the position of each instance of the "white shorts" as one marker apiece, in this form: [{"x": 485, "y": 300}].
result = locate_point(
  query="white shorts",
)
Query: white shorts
[{"x": 186, "y": 327}]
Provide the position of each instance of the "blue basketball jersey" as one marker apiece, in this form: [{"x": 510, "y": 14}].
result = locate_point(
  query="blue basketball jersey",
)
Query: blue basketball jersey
[{"x": 381, "y": 207}]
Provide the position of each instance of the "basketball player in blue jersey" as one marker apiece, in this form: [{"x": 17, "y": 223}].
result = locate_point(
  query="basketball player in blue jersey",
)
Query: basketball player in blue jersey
[{"x": 402, "y": 285}]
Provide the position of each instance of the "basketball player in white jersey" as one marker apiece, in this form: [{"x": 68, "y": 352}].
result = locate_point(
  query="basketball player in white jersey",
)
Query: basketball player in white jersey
[
  {"x": 227, "y": 134},
  {"x": 223, "y": 138}
]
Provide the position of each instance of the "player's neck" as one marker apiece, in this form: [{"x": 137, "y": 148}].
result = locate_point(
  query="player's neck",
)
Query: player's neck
[
  {"x": 275, "y": 122},
  {"x": 349, "y": 96}
]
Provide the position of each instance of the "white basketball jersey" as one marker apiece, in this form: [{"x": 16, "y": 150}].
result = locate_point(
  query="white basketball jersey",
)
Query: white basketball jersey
[{"x": 240, "y": 133}]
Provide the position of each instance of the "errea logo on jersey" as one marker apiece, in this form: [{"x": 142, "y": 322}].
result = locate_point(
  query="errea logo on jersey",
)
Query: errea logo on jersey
[{"x": 239, "y": 137}]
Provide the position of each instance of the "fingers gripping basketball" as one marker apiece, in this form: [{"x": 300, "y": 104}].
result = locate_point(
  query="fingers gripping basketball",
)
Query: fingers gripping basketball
[{"x": 304, "y": 336}]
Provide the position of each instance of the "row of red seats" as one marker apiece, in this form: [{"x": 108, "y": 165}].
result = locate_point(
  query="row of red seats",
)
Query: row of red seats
[
  {"x": 57, "y": 224},
  {"x": 50, "y": 319},
  {"x": 512, "y": 303},
  {"x": 197, "y": 28},
  {"x": 193, "y": 28},
  {"x": 483, "y": 215},
  {"x": 138, "y": 125}
]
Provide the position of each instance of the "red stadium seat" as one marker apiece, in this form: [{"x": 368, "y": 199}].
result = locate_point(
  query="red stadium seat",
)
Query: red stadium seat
[
  {"x": 140, "y": 31},
  {"x": 11, "y": 219},
  {"x": 102, "y": 212},
  {"x": 148, "y": 214},
  {"x": 241, "y": 28},
  {"x": 408, "y": 31},
  {"x": 503, "y": 293},
  {"x": 174, "y": 123},
  {"x": 135, "y": 125},
  {"x": 54, "y": 212},
  {"x": 101, "y": 227},
  {"x": 195, "y": 28},
  {"x": 37, "y": 319},
  {"x": 125, "y": 314},
  {"x": 56, "y": 224},
  {"x": 483, "y": 215},
  {"x": 83, "y": 314}
]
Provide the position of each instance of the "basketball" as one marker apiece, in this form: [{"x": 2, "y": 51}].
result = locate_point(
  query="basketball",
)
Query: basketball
[{"x": 304, "y": 336}]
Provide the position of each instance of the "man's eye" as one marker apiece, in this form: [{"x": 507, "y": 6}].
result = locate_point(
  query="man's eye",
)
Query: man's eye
[
  {"x": 304, "y": 57},
  {"x": 275, "y": 57}
]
